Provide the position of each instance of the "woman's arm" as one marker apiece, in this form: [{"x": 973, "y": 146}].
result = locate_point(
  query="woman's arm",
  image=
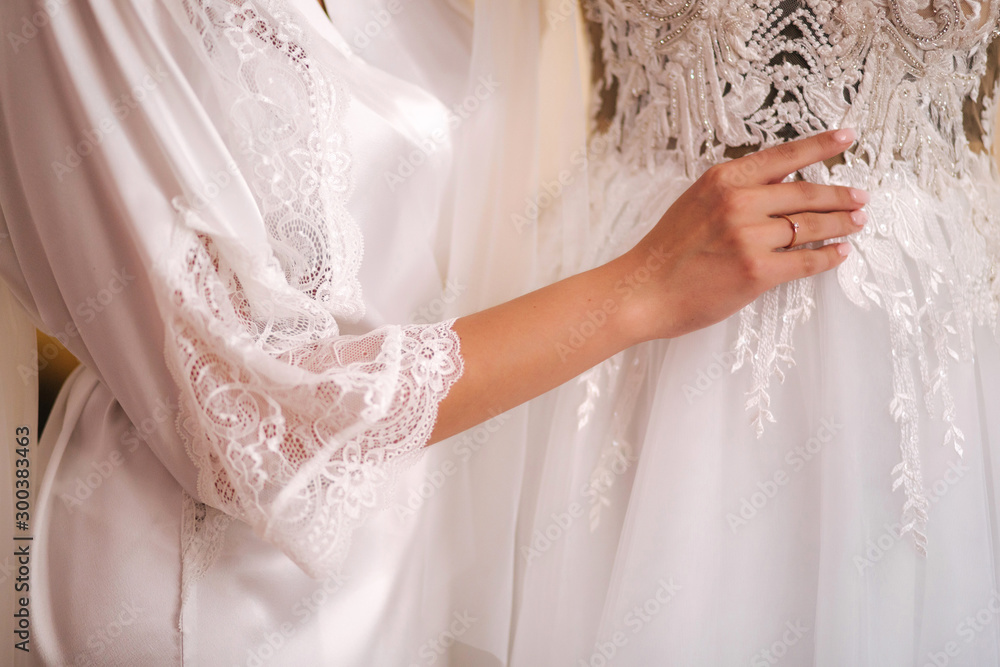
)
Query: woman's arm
[
  {"x": 243, "y": 386},
  {"x": 712, "y": 253}
]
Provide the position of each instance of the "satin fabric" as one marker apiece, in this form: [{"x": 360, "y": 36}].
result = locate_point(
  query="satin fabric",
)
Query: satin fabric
[{"x": 105, "y": 578}]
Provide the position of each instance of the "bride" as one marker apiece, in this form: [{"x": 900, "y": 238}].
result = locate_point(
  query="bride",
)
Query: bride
[
  {"x": 187, "y": 189},
  {"x": 185, "y": 205},
  {"x": 813, "y": 480}
]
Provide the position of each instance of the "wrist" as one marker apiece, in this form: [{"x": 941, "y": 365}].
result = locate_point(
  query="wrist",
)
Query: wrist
[{"x": 631, "y": 277}]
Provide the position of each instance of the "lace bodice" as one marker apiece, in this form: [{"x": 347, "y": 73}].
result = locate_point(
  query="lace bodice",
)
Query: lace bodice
[
  {"x": 707, "y": 76},
  {"x": 700, "y": 81}
]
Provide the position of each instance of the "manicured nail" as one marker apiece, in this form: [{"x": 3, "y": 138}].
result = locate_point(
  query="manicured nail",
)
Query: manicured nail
[
  {"x": 843, "y": 249},
  {"x": 859, "y": 218},
  {"x": 845, "y": 136},
  {"x": 860, "y": 196}
]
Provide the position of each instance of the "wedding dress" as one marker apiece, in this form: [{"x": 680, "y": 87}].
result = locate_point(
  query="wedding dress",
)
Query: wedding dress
[{"x": 814, "y": 480}]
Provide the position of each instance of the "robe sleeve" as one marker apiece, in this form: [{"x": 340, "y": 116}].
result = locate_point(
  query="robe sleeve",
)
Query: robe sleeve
[{"x": 175, "y": 179}]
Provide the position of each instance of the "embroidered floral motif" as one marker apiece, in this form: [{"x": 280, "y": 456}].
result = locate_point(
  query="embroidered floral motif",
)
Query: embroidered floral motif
[{"x": 703, "y": 80}]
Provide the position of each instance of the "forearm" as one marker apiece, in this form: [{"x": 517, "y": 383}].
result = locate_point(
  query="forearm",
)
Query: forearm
[
  {"x": 719, "y": 246},
  {"x": 525, "y": 347}
]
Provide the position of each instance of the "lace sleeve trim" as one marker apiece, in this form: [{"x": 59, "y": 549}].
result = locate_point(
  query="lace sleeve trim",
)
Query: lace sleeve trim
[
  {"x": 306, "y": 463},
  {"x": 294, "y": 428}
]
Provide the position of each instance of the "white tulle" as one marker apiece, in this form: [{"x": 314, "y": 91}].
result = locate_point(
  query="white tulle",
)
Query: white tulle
[
  {"x": 749, "y": 477},
  {"x": 699, "y": 79}
]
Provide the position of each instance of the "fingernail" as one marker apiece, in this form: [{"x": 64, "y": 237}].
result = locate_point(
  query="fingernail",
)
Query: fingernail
[
  {"x": 860, "y": 196},
  {"x": 845, "y": 136},
  {"x": 859, "y": 218},
  {"x": 843, "y": 249}
]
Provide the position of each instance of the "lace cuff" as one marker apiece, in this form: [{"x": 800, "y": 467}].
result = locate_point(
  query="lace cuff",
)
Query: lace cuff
[
  {"x": 305, "y": 443},
  {"x": 301, "y": 436},
  {"x": 294, "y": 428}
]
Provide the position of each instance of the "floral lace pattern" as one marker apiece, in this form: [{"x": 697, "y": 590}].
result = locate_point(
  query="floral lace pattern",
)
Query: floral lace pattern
[
  {"x": 618, "y": 453},
  {"x": 711, "y": 79},
  {"x": 294, "y": 428},
  {"x": 203, "y": 533}
]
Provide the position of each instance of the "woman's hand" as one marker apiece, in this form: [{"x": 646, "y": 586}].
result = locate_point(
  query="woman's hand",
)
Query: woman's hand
[
  {"x": 714, "y": 251},
  {"x": 719, "y": 246}
]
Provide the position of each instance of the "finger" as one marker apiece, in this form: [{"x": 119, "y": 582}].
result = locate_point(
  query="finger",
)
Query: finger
[
  {"x": 805, "y": 262},
  {"x": 773, "y": 165},
  {"x": 813, "y": 227},
  {"x": 802, "y": 196},
  {"x": 819, "y": 226}
]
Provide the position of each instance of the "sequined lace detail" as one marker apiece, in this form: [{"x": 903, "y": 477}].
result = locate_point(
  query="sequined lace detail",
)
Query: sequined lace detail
[{"x": 711, "y": 79}]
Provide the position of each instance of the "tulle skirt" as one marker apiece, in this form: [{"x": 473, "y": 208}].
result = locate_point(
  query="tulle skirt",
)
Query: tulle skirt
[
  {"x": 630, "y": 517},
  {"x": 663, "y": 530}
]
